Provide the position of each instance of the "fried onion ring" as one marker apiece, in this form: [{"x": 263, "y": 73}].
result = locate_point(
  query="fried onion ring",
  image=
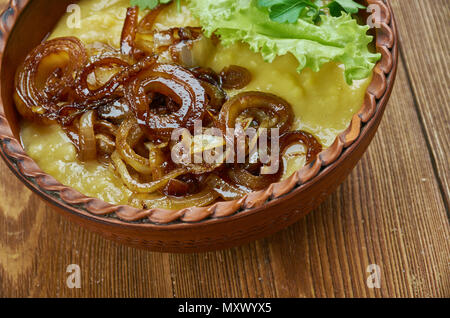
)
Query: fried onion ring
[{"x": 175, "y": 82}]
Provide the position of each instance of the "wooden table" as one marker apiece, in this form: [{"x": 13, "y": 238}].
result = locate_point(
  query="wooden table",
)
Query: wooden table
[{"x": 392, "y": 211}]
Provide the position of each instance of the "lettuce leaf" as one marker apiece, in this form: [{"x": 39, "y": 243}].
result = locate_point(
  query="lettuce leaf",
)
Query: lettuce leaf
[{"x": 338, "y": 39}]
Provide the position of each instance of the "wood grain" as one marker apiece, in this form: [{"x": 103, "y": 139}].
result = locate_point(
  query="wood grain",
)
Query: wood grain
[
  {"x": 426, "y": 30},
  {"x": 391, "y": 211}
]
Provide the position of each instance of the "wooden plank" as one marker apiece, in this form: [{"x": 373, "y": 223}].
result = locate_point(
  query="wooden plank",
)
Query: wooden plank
[{"x": 425, "y": 48}]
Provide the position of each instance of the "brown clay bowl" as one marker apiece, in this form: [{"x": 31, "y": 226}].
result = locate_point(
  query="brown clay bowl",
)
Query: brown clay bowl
[{"x": 26, "y": 22}]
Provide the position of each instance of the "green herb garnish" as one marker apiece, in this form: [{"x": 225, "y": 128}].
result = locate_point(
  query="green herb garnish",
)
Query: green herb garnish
[
  {"x": 338, "y": 6},
  {"x": 291, "y": 10}
]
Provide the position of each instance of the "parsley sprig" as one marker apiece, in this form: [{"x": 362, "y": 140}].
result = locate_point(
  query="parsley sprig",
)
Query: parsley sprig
[{"x": 291, "y": 10}]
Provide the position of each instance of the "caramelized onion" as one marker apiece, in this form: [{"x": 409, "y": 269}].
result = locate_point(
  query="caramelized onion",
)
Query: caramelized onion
[
  {"x": 235, "y": 77},
  {"x": 115, "y": 111},
  {"x": 226, "y": 190},
  {"x": 140, "y": 102},
  {"x": 176, "y": 188},
  {"x": 254, "y": 182},
  {"x": 41, "y": 86},
  {"x": 156, "y": 159},
  {"x": 273, "y": 106},
  {"x": 172, "y": 81},
  {"x": 105, "y": 127},
  {"x": 311, "y": 143},
  {"x": 181, "y": 53},
  {"x": 147, "y": 22},
  {"x": 128, "y": 72},
  {"x": 105, "y": 145},
  {"x": 182, "y": 41},
  {"x": 203, "y": 198},
  {"x": 73, "y": 133},
  {"x": 87, "y": 142},
  {"x": 128, "y": 38},
  {"x": 67, "y": 113},
  {"x": 216, "y": 96},
  {"x": 243, "y": 177},
  {"x": 175, "y": 36},
  {"x": 212, "y": 83},
  {"x": 207, "y": 74},
  {"x": 83, "y": 89},
  {"x": 135, "y": 185},
  {"x": 129, "y": 128}
]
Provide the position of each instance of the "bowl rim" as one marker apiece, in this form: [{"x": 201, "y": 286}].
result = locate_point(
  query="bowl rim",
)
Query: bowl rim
[{"x": 70, "y": 200}]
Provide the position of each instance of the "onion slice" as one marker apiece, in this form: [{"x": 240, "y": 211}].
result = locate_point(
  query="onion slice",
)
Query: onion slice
[
  {"x": 128, "y": 72},
  {"x": 148, "y": 21},
  {"x": 235, "y": 77},
  {"x": 241, "y": 176},
  {"x": 226, "y": 190},
  {"x": 172, "y": 81},
  {"x": 273, "y": 106},
  {"x": 41, "y": 86},
  {"x": 135, "y": 185},
  {"x": 87, "y": 142},
  {"x": 203, "y": 198},
  {"x": 311, "y": 143},
  {"x": 127, "y": 136},
  {"x": 128, "y": 37}
]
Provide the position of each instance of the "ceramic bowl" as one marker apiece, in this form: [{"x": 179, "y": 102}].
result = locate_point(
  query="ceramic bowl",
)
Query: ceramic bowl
[{"x": 23, "y": 26}]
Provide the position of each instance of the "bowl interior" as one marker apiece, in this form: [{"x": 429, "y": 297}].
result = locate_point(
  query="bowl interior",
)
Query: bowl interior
[{"x": 34, "y": 24}]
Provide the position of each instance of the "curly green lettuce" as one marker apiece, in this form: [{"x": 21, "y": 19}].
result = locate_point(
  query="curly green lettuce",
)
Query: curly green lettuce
[{"x": 339, "y": 39}]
